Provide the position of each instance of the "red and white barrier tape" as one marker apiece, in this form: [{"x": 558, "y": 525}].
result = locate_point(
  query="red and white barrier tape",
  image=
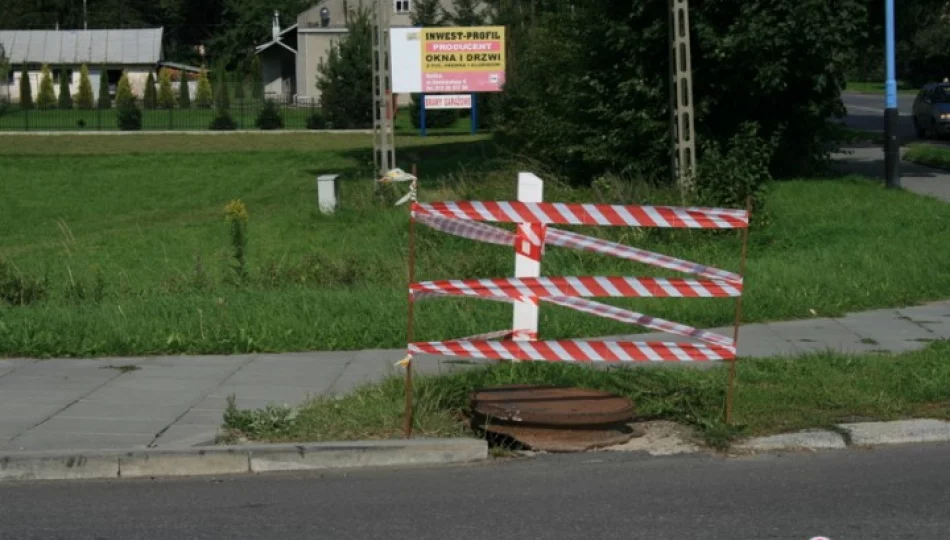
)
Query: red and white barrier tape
[
  {"x": 584, "y": 287},
  {"x": 481, "y": 232},
  {"x": 608, "y": 312},
  {"x": 587, "y": 214},
  {"x": 577, "y": 351}
]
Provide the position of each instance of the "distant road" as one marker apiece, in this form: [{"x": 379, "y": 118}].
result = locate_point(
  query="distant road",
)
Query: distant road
[
  {"x": 866, "y": 111},
  {"x": 898, "y": 492}
]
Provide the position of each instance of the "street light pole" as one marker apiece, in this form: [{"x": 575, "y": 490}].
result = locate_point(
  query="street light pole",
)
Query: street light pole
[{"x": 891, "y": 113}]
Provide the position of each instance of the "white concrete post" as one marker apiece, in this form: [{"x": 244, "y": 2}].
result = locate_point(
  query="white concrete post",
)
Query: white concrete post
[
  {"x": 327, "y": 192},
  {"x": 528, "y": 257}
]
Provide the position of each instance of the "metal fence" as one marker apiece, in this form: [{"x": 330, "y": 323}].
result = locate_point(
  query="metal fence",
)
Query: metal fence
[{"x": 243, "y": 110}]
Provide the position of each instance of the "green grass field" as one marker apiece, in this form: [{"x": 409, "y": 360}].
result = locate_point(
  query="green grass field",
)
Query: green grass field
[
  {"x": 816, "y": 391},
  {"x": 127, "y": 240},
  {"x": 178, "y": 119},
  {"x": 930, "y": 155}
]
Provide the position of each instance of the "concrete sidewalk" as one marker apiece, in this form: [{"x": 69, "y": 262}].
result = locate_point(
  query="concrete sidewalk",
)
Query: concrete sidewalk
[{"x": 170, "y": 402}]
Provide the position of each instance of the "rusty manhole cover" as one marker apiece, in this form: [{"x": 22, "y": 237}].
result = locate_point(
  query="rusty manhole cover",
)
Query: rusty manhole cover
[
  {"x": 551, "y": 405},
  {"x": 554, "y": 419}
]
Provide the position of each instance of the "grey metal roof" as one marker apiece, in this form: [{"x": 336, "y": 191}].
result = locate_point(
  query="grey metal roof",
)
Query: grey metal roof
[{"x": 135, "y": 46}]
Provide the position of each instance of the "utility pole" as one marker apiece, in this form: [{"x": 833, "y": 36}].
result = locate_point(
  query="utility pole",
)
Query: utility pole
[
  {"x": 384, "y": 144},
  {"x": 681, "y": 97},
  {"x": 891, "y": 112}
]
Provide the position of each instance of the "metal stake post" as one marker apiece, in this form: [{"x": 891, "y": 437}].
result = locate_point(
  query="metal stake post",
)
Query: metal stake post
[
  {"x": 407, "y": 415},
  {"x": 730, "y": 392}
]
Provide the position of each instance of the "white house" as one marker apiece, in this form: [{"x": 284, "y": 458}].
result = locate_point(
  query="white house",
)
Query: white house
[
  {"x": 105, "y": 52},
  {"x": 289, "y": 59}
]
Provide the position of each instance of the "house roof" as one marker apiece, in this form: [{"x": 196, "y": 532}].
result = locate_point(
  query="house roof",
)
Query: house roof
[{"x": 133, "y": 46}]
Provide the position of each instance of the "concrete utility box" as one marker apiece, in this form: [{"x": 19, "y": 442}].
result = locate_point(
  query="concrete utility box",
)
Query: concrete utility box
[{"x": 328, "y": 192}]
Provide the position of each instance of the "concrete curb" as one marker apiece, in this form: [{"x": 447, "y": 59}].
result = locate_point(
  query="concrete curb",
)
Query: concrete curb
[
  {"x": 921, "y": 430},
  {"x": 242, "y": 459}
]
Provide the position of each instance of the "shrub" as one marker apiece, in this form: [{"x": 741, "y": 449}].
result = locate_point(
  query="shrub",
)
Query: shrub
[
  {"x": 124, "y": 98},
  {"x": 223, "y": 122},
  {"x": 316, "y": 120},
  {"x": 47, "y": 97},
  {"x": 437, "y": 118},
  {"x": 730, "y": 174},
  {"x": 184, "y": 92},
  {"x": 203, "y": 96},
  {"x": 84, "y": 100},
  {"x": 105, "y": 99},
  {"x": 166, "y": 97},
  {"x": 26, "y": 91},
  {"x": 150, "y": 98},
  {"x": 345, "y": 78},
  {"x": 129, "y": 118},
  {"x": 65, "y": 99},
  {"x": 269, "y": 117}
]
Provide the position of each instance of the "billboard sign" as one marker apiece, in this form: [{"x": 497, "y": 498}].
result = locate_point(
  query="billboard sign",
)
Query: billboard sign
[
  {"x": 448, "y": 60},
  {"x": 448, "y": 101}
]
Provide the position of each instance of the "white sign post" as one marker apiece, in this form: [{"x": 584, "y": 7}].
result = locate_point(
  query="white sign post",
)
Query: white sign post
[{"x": 530, "y": 189}]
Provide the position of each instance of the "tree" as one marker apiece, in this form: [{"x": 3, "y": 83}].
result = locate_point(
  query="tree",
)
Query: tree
[
  {"x": 222, "y": 97},
  {"x": 246, "y": 22},
  {"x": 129, "y": 116},
  {"x": 203, "y": 96},
  {"x": 184, "y": 93},
  {"x": 65, "y": 98},
  {"x": 601, "y": 103},
  {"x": 222, "y": 102},
  {"x": 47, "y": 97},
  {"x": 467, "y": 13},
  {"x": 84, "y": 99},
  {"x": 257, "y": 75},
  {"x": 124, "y": 97},
  {"x": 4, "y": 71},
  {"x": 105, "y": 98},
  {"x": 150, "y": 97},
  {"x": 166, "y": 97},
  {"x": 26, "y": 90},
  {"x": 345, "y": 77},
  {"x": 428, "y": 13}
]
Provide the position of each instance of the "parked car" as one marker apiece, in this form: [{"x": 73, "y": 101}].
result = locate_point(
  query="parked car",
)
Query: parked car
[{"x": 932, "y": 110}]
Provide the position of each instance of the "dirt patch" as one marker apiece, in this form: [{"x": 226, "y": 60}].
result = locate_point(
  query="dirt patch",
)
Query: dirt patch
[{"x": 660, "y": 438}]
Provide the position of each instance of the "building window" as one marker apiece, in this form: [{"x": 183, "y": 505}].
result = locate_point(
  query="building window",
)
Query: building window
[{"x": 403, "y": 6}]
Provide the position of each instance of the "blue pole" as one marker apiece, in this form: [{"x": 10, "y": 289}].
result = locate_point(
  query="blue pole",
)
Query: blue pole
[
  {"x": 474, "y": 114},
  {"x": 422, "y": 115},
  {"x": 891, "y": 112}
]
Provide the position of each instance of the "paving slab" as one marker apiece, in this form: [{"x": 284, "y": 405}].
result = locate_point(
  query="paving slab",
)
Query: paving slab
[
  {"x": 9, "y": 365},
  {"x": 934, "y": 317},
  {"x": 366, "y": 367},
  {"x": 888, "y": 330},
  {"x": 138, "y": 426},
  {"x": 56, "y": 440},
  {"x": 821, "y": 335},
  {"x": 898, "y": 432},
  {"x": 130, "y": 410},
  {"x": 760, "y": 341}
]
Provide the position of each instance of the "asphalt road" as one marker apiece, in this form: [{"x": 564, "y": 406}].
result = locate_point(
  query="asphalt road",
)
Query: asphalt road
[
  {"x": 898, "y": 492},
  {"x": 866, "y": 111}
]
